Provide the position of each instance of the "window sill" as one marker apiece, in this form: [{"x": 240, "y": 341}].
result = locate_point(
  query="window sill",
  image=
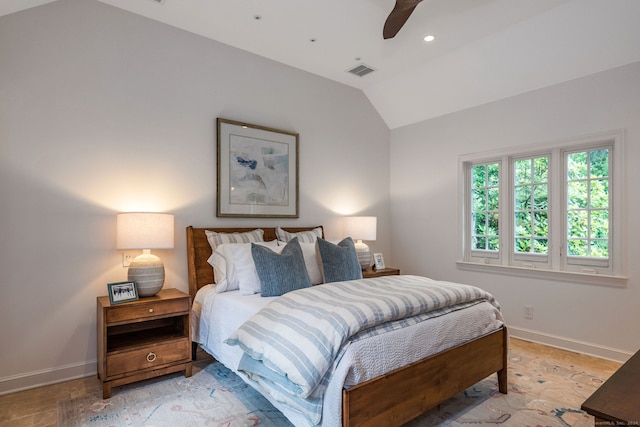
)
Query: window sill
[{"x": 565, "y": 276}]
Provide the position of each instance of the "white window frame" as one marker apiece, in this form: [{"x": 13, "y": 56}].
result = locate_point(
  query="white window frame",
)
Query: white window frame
[
  {"x": 588, "y": 265},
  {"x": 521, "y": 259},
  {"x": 487, "y": 257},
  {"x": 556, "y": 265}
]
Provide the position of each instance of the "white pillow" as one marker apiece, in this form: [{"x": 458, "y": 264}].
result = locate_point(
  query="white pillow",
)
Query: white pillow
[
  {"x": 303, "y": 236},
  {"x": 219, "y": 264},
  {"x": 234, "y": 264},
  {"x": 216, "y": 238},
  {"x": 311, "y": 261}
]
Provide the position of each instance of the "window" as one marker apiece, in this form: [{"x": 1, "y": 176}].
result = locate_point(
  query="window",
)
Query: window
[
  {"x": 531, "y": 205},
  {"x": 588, "y": 204},
  {"x": 549, "y": 210},
  {"x": 485, "y": 217}
]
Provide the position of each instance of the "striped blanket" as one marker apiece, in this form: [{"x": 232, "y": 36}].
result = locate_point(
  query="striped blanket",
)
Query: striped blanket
[{"x": 292, "y": 345}]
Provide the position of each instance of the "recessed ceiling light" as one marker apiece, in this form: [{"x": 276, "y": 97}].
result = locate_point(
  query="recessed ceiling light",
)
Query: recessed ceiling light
[{"x": 429, "y": 38}]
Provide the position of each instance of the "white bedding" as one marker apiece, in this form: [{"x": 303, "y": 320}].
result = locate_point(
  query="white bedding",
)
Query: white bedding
[{"x": 217, "y": 315}]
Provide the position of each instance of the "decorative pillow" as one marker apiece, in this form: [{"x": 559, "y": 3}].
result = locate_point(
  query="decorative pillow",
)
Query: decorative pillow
[
  {"x": 234, "y": 266},
  {"x": 283, "y": 272},
  {"x": 216, "y": 238},
  {"x": 303, "y": 236},
  {"x": 243, "y": 273},
  {"x": 339, "y": 262}
]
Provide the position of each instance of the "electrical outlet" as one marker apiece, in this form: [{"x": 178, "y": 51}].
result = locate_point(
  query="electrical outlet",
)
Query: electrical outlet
[
  {"x": 528, "y": 312},
  {"x": 127, "y": 257}
]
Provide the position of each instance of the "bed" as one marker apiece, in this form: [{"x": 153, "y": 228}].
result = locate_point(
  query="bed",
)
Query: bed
[{"x": 352, "y": 399}]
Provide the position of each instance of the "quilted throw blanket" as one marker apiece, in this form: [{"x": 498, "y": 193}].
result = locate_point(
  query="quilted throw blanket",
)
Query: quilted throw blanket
[{"x": 292, "y": 344}]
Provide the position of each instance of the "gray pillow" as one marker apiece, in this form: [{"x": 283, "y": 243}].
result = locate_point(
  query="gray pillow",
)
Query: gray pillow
[
  {"x": 283, "y": 272},
  {"x": 339, "y": 262}
]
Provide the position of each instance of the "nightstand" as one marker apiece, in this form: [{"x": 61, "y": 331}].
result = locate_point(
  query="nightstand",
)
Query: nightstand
[
  {"x": 143, "y": 339},
  {"x": 370, "y": 272}
]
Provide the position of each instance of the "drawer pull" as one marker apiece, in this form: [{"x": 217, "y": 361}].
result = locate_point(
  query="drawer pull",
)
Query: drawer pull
[
  {"x": 151, "y": 357},
  {"x": 151, "y": 310}
]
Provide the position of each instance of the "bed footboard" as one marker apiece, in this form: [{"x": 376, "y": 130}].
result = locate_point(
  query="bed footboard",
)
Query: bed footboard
[{"x": 402, "y": 395}]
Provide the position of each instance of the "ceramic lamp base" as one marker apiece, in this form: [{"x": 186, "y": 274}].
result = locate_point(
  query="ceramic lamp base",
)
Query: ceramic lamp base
[
  {"x": 147, "y": 271},
  {"x": 364, "y": 254}
]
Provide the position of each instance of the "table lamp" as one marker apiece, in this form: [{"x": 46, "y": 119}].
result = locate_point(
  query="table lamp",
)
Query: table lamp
[
  {"x": 361, "y": 228},
  {"x": 146, "y": 231}
]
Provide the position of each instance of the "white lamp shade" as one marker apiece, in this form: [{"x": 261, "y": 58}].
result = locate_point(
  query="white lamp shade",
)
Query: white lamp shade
[
  {"x": 361, "y": 227},
  {"x": 144, "y": 230}
]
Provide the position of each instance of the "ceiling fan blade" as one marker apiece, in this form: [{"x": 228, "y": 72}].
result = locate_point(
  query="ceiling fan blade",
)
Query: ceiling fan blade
[{"x": 398, "y": 16}]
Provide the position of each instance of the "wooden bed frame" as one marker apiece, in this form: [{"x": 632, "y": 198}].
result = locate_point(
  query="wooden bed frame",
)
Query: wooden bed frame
[{"x": 400, "y": 395}]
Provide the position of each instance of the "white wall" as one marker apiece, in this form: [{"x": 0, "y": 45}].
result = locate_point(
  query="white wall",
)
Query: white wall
[
  {"x": 424, "y": 184},
  {"x": 103, "y": 111}
]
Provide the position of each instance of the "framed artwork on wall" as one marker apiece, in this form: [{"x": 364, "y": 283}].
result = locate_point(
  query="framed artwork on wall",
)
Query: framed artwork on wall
[{"x": 257, "y": 171}]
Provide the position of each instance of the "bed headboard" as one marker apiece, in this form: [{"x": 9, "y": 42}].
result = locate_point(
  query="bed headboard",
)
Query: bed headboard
[{"x": 199, "y": 251}]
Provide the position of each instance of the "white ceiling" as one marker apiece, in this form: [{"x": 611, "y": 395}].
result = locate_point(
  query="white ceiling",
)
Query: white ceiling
[{"x": 485, "y": 50}]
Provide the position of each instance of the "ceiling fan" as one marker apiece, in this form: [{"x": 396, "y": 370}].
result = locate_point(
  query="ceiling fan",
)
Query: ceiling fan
[{"x": 398, "y": 16}]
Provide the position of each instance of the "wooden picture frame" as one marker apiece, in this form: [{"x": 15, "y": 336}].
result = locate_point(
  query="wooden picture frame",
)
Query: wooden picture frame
[
  {"x": 120, "y": 292},
  {"x": 257, "y": 173}
]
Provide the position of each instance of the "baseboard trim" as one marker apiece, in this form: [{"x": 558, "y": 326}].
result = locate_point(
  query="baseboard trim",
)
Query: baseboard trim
[
  {"x": 49, "y": 376},
  {"x": 576, "y": 346}
]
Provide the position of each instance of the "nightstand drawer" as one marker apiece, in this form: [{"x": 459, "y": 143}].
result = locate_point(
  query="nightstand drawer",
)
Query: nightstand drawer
[
  {"x": 142, "y": 311},
  {"x": 148, "y": 357}
]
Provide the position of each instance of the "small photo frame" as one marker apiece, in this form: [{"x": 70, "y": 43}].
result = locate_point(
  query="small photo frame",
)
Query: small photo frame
[
  {"x": 378, "y": 261},
  {"x": 122, "y": 292}
]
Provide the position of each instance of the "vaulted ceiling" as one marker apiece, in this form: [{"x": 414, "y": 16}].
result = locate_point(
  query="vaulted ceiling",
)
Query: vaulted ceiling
[{"x": 484, "y": 50}]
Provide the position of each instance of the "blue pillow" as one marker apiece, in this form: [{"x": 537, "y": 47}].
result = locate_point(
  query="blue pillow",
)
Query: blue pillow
[
  {"x": 283, "y": 272},
  {"x": 339, "y": 262}
]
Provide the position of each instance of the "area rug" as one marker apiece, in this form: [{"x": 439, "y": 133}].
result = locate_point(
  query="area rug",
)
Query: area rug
[
  {"x": 213, "y": 396},
  {"x": 541, "y": 393}
]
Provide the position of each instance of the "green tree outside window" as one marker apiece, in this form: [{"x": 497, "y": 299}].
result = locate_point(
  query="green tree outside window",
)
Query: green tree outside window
[
  {"x": 531, "y": 200},
  {"x": 588, "y": 203},
  {"x": 485, "y": 205}
]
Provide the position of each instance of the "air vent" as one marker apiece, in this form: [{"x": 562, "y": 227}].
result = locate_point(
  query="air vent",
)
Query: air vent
[{"x": 361, "y": 70}]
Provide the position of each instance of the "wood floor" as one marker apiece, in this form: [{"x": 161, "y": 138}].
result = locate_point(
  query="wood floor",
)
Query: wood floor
[{"x": 39, "y": 406}]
